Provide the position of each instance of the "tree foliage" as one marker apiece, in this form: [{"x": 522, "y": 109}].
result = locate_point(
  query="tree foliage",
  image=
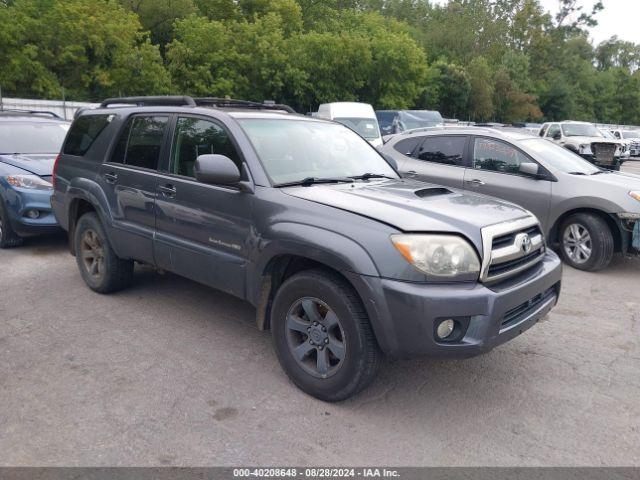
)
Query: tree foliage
[{"x": 501, "y": 60}]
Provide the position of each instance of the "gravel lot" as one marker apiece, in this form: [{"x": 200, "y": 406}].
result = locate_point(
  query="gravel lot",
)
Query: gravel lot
[{"x": 173, "y": 373}]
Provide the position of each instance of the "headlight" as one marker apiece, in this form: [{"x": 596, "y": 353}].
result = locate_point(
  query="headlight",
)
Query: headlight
[
  {"x": 635, "y": 194},
  {"x": 442, "y": 256},
  {"x": 32, "y": 182},
  {"x": 584, "y": 149}
]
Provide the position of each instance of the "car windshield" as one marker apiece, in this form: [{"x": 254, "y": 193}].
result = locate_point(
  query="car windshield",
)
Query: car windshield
[
  {"x": 607, "y": 134},
  {"x": 420, "y": 119},
  {"x": 559, "y": 157},
  {"x": 294, "y": 150},
  {"x": 580, "y": 130},
  {"x": 630, "y": 134},
  {"x": 32, "y": 137},
  {"x": 365, "y": 127}
]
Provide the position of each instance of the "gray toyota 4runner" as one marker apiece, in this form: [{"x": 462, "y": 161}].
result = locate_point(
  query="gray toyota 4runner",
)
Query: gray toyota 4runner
[{"x": 343, "y": 259}]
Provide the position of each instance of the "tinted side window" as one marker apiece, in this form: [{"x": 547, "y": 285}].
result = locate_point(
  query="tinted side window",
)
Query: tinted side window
[
  {"x": 407, "y": 146},
  {"x": 194, "y": 137},
  {"x": 140, "y": 142},
  {"x": 497, "y": 156},
  {"x": 553, "y": 129},
  {"x": 84, "y": 132},
  {"x": 446, "y": 150}
]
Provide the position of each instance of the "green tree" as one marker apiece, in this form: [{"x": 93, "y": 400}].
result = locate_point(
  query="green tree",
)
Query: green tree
[{"x": 481, "y": 92}]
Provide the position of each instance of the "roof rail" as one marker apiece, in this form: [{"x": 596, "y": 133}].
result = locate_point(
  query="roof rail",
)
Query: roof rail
[
  {"x": 233, "y": 103},
  {"x": 18, "y": 111},
  {"x": 171, "y": 100}
]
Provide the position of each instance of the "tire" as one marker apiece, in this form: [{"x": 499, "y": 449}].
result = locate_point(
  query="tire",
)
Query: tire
[
  {"x": 8, "y": 237},
  {"x": 352, "y": 357},
  {"x": 100, "y": 267},
  {"x": 600, "y": 242}
]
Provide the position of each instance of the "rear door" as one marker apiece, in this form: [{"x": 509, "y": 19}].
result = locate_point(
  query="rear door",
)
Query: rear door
[
  {"x": 202, "y": 230},
  {"x": 439, "y": 159},
  {"x": 495, "y": 171},
  {"x": 130, "y": 181}
]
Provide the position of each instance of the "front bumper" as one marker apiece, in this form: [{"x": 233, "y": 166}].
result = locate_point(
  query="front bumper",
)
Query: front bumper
[
  {"x": 19, "y": 201},
  {"x": 406, "y": 314}
]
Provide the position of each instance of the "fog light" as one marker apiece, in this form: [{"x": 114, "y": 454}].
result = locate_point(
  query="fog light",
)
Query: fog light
[
  {"x": 33, "y": 214},
  {"x": 445, "y": 328}
]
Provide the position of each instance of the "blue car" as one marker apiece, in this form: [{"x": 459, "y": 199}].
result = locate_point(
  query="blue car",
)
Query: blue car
[{"x": 29, "y": 144}]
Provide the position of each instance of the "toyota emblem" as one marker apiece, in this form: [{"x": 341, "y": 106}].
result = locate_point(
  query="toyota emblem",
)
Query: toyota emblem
[{"x": 523, "y": 241}]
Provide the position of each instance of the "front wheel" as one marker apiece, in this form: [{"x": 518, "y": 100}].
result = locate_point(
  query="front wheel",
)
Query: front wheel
[
  {"x": 586, "y": 242},
  {"x": 101, "y": 269},
  {"x": 322, "y": 336},
  {"x": 8, "y": 237}
]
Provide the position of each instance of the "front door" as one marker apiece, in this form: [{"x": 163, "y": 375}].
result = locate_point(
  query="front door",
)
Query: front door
[
  {"x": 130, "y": 180},
  {"x": 495, "y": 171},
  {"x": 202, "y": 230},
  {"x": 440, "y": 160}
]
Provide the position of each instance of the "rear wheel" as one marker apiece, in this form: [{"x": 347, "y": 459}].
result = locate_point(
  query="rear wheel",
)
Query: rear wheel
[
  {"x": 586, "y": 242},
  {"x": 8, "y": 237},
  {"x": 100, "y": 267},
  {"x": 323, "y": 337}
]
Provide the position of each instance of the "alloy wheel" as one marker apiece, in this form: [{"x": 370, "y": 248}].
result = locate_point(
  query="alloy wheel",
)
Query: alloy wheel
[
  {"x": 92, "y": 254},
  {"x": 577, "y": 243},
  {"x": 315, "y": 337}
]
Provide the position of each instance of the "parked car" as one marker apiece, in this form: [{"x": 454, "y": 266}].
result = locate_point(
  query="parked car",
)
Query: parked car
[
  {"x": 585, "y": 140},
  {"x": 630, "y": 136},
  {"x": 588, "y": 212},
  {"x": 359, "y": 117},
  {"x": 396, "y": 121},
  {"x": 29, "y": 143},
  {"x": 304, "y": 219},
  {"x": 625, "y": 145}
]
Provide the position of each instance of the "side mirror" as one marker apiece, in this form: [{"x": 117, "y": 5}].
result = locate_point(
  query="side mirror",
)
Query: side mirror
[
  {"x": 531, "y": 169},
  {"x": 557, "y": 136},
  {"x": 216, "y": 170},
  {"x": 391, "y": 161}
]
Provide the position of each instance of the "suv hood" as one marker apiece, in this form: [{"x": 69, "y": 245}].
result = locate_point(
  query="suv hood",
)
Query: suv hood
[
  {"x": 413, "y": 206},
  {"x": 578, "y": 140},
  {"x": 39, "y": 164}
]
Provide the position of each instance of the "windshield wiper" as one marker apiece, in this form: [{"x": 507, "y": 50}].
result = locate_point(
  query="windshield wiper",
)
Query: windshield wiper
[
  {"x": 306, "y": 182},
  {"x": 367, "y": 176},
  {"x": 601, "y": 171},
  {"x": 577, "y": 173}
]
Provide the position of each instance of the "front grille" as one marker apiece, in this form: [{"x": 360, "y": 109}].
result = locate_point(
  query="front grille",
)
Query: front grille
[
  {"x": 511, "y": 248},
  {"x": 604, "y": 153},
  {"x": 515, "y": 315},
  {"x": 499, "y": 269}
]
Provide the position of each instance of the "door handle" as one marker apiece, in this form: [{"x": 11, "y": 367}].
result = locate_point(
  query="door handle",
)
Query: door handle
[
  {"x": 110, "y": 177},
  {"x": 475, "y": 182},
  {"x": 167, "y": 190}
]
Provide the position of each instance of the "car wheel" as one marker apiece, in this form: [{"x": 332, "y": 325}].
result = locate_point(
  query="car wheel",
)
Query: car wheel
[
  {"x": 586, "y": 242},
  {"x": 322, "y": 336},
  {"x": 100, "y": 267},
  {"x": 8, "y": 237}
]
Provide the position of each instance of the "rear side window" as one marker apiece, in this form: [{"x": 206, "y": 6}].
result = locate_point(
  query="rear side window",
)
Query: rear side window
[
  {"x": 84, "y": 131},
  {"x": 140, "y": 142},
  {"x": 446, "y": 150},
  {"x": 407, "y": 146}
]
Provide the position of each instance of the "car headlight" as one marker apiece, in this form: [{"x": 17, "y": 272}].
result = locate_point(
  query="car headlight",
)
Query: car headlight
[
  {"x": 440, "y": 256},
  {"x": 584, "y": 149},
  {"x": 32, "y": 182},
  {"x": 635, "y": 194}
]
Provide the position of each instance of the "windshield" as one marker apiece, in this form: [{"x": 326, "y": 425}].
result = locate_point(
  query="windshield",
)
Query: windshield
[
  {"x": 420, "y": 119},
  {"x": 292, "y": 150},
  {"x": 32, "y": 137},
  {"x": 580, "y": 130},
  {"x": 559, "y": 157},
  {"x": 365, "y": 127},
  {"x": 630, "y": 134}
]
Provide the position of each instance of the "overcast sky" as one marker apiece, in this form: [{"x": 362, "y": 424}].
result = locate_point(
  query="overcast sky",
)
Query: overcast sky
[{"x": 619, "y": 17}]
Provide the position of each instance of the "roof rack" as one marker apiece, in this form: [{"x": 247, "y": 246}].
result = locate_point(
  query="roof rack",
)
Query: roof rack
[
  {"x": 18, "y": 111},
  {"x": 233, "y": 103},
  {"x": 171, "y": 100}
]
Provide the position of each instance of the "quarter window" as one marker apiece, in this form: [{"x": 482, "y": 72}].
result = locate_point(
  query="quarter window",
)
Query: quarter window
[
  {"x": 407, "y": 146},
  {"x": 497, "y": 156},
  {"x": 140, "y": 143},
  {"x": 446, "y": 150},
  {"x": 84, "y": 131},
  {"x": 194, "y": 137}
]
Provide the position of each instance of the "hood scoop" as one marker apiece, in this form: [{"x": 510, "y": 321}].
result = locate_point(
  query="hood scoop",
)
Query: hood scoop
[{"x": 432, "y": 192}]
